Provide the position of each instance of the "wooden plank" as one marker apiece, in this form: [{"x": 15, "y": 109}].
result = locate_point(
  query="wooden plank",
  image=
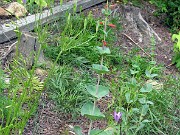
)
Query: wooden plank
[{"x": 28, "y": 23}]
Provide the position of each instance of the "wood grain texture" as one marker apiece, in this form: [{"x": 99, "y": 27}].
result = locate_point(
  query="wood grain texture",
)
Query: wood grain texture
[{"x": 28, "y": 23}]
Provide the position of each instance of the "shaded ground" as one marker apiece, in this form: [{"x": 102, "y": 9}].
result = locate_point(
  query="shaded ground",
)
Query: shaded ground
[{"x": 49, "y": 122}]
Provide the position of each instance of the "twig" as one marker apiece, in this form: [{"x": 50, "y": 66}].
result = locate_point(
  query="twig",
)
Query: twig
[
  {"x": 10, "y": 49},
  {"x": 136, "y": 44},
  {"x": 169, "y": 65}
]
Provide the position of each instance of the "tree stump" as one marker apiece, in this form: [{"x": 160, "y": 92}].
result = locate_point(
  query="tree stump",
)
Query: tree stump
[
  {"x": 138, "y": 27},
  {"x": 27, "y": 48}
]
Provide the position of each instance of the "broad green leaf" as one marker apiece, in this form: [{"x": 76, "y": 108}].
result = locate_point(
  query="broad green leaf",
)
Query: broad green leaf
[
  {"x": 174, "y": 37},
  {"x": 100, "y": 68},
  {"x": 41, "y": 3},
  {"x": 135, "y": 66},
  {"x": 146, "y": 121},
  {"x": 150, "y": 102},
  {"x": 133, "y": 72},
  {"x": 145, "y": 109},
  {"x": 103, "y": 50},
  {"x": 140, "y": 126},
  {"x": 133, "y": 81},
  {"x": 136, "y": 110},
  {"x": 127, "y": 95},
  {"x": 101, "y": 92},
  {"x": 144, "y": 101},
  {"x": 147, "y": 88},
  {"x": 108, "y": 131},
  {"x": 149, "y": 75},
  {"x": 87, "y": 110},
  {"x": 78, "y": 130}
]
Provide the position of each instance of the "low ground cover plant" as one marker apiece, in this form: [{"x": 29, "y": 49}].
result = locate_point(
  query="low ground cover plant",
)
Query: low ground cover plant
[
  {"x": 145, "y": 103},
  {"x": 176, "y": 58},
  {"x": 66, "y": 89}
]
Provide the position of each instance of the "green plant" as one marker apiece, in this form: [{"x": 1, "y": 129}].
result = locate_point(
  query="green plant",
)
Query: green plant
[
  {"x": 143, "y": 99},
  {"x": 65, "y": 89},
  {"x": 21, "y": 97},
  {"x": 3, "y": 85},
  {"x": 20, "y": 100},
  {"x": 81, "y": 41},
  {"x": 143, "y": 105},
  {"x": 139, "y": 66},
  {"x": 98, "y": 91},
  {"x": 172, "y": 10},
  {"x": 4, "y": 100},
  {"x": 5, "y": 103},
  {"x": 36, "y": 6},
  {"x": 176, "y": 58},
  {"x": 41, "y": 3}
]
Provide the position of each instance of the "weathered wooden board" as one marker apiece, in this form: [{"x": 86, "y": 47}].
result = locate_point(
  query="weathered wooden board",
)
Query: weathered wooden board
[{"x": 28, "y": 23}]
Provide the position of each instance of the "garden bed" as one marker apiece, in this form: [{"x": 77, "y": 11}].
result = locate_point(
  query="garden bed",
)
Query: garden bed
[
  {"x": 127, "y": 64},
  {"x": 50, "y": 122}
]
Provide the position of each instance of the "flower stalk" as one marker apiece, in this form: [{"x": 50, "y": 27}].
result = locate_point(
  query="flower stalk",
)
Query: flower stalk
[{"x": 90, "y": 108}]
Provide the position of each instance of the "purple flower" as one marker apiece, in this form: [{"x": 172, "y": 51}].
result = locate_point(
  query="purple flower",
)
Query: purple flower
[
  {"x": 24, "y": 1},
  {"x": 117, "y": 116}
]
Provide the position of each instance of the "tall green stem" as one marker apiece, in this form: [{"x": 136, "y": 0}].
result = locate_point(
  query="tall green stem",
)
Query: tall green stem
[{"x": 99, "y": 77}]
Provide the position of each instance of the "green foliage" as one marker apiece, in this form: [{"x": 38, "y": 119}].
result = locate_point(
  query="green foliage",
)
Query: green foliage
[
  {"x": 79, "y": 33},
  {"x": 103, "y": 91},
  {"x": 66, "y": 90},
  {"x": 36, "y": 6},
  {"x": 5, "y": 103},
  {"x": 76, "y": 40},
  {"x": 176, "y": 37},
  {"x": 74, "y": 44},
  {"x": 20, "y": 100},
  {"x": 100, "y": 68},
  {"x": 97, "y": 91},
  {"x": 139, "y": 66},
  {"x": 172, "y": 10},
  {"x": 2, "y": 80},
  {"x": 146, "y": 106},
  {"x": 40, "y": 3},
  {"x": 91, "y": 111},
  {"x": 176, "y": 58}
]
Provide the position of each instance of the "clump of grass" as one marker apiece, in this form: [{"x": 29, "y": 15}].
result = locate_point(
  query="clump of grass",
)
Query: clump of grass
[
  {"x": 67, "y": 88},
  {"x": 3, "y": 85},
  {"x": 20, "y": 100},
  {"x": 75, "y": 31}
]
